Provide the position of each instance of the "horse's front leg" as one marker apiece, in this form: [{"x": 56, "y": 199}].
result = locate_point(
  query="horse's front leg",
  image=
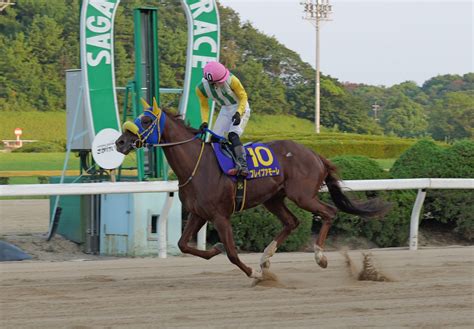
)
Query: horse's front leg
[
  {"x": 224, "y": 229},
  {"x": 277, "y": 207},
  {"x": 193, "y": 225},
  {"x": 319, "y": 256}
]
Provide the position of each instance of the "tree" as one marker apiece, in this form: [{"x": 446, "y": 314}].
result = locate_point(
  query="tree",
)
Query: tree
[
  {"x": 21, "y": 72},
  {"x": 452, "y": 117},
  {"x": 266, "y": 95},
  {"x": 404, "y": 117}
]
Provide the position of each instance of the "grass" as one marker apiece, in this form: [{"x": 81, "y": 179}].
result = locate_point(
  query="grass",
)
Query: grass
[
  {"x": 385, "y": 164},
  {"x": 43, "y": 126},
  {"x": 36, "y": 161},
  {"x": 44, "y": 161}
]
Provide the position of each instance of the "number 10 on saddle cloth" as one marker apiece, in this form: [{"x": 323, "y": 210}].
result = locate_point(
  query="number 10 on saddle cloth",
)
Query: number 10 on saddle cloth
[{"x": 260, "y": 160}]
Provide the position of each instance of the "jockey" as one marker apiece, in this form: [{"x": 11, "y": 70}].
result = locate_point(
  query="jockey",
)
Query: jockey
[{"x": 226, "y": 90}]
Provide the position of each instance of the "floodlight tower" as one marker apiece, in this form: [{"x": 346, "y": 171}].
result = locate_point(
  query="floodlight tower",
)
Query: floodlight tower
[{"x": 317, "y": 11}]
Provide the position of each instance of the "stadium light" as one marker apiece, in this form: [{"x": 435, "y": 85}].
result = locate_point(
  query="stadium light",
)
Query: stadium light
[{"x": 317, "y": 11}]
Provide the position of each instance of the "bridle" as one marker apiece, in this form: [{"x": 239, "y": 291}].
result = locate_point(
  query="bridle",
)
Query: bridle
[{"x": 158, "y": 123}]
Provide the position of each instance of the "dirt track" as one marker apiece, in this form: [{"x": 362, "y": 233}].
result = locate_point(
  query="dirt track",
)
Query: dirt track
[{"x": 432, "y": 288}]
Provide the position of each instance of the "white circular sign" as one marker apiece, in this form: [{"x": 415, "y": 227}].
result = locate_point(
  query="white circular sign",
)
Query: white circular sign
[
  {"x": 18, "y": 131},
  {"x": 104, "y": 152}
]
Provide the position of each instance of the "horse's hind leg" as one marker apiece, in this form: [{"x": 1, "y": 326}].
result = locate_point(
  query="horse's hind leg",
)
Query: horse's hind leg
[
  {"x": 224, "y": 229},
  {"x": 193, "y": 225},
  {"x": 311, "y": 203},
  {"x": 277, "y": 207}
]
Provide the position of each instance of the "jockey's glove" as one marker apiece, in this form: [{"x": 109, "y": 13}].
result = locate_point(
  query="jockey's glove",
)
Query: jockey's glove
[
  {"x": 203, "y": 126},
  {"x": 236, "y": 119}
]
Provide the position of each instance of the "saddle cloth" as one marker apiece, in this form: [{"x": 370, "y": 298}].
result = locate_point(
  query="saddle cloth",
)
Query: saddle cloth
[{"x": 261, "y": 160}]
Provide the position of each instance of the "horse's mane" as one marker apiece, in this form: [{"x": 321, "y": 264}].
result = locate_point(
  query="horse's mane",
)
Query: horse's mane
[{"x": 178, "y": 119}]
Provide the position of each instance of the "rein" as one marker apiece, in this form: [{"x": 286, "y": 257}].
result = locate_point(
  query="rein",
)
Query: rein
[
  {"x": 195, "y": 167},
  {"x": 197, "y": 136}
]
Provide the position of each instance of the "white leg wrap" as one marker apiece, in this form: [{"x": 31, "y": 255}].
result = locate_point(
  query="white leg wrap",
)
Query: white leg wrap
[
  {"x": 318, "y": 253},
  {"x": 256, "y": 274},
  {"x": 268, "y": 252}
]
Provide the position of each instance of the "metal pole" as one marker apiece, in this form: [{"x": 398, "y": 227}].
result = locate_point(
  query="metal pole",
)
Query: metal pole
[
  {"x": 163, "y": 226},
  {"x": 317, "y": 118},
  {"x": 415, "y": 219},
  {"x": 317, "y": 11}
]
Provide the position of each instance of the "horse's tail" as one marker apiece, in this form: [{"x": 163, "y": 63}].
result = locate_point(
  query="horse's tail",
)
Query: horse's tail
[{"x": 370, "y": 208}]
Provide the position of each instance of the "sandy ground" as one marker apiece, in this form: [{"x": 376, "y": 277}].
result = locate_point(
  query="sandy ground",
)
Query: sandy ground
[
  {"x": 431, "y": 288},
  {"x": 24, "y": 216},
  {"x": 63, "y": 288}
]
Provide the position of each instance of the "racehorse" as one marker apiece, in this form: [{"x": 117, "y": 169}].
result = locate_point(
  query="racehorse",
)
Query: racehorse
[{"x": 208, "y": 194}]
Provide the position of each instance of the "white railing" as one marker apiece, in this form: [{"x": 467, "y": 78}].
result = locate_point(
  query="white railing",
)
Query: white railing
[{"x": 420, "y": 184}]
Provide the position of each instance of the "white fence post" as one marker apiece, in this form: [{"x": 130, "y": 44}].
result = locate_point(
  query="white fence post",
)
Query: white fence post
[
  {"x": 163, "y": 226},
  {"x": 415, "y": 218}
]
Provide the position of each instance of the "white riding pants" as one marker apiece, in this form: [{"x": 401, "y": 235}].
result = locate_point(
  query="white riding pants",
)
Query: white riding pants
[{"x": 224, "y": 120}]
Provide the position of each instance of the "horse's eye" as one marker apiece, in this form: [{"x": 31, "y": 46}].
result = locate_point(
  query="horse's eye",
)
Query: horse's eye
[{"x": 146, "y": 121}]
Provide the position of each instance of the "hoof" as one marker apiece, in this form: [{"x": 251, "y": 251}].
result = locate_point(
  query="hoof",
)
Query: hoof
[
  {"x": 267, "y": 253},
  {"x": 322, "y": 261},
  {"x": 256, "y": 274},
  {"x": 265, "y": 265},
  {"x": 219, "y": 246}
]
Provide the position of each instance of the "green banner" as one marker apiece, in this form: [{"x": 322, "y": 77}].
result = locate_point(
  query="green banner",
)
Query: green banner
[
  {"x": 97, "y": 64},
  {"x": 203, "y": 46}
]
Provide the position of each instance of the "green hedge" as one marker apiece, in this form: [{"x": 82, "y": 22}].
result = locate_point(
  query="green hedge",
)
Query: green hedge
[
  {"x": 334, "y": 145},
  {"x": 41, "y": 147},
  {"x": 454, "y": 208},
  {"x": 390, "y": 231}
]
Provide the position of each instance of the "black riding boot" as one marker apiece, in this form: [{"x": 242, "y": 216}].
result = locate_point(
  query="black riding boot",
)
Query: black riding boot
[{"x": 239, "y": 151}]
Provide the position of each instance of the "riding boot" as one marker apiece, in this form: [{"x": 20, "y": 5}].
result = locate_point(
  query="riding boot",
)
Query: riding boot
[
  {"x": 242, "y": 160},
  {"x": 239, "y": 151}
]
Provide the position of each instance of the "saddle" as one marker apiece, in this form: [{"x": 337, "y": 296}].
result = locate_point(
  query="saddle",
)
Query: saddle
[{"x": 261, "y": 162}]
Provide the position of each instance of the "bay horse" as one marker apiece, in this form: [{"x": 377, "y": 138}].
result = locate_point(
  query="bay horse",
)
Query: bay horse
[{"x": 208, "y": 194}]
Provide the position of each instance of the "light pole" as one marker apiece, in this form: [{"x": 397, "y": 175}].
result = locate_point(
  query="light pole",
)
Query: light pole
[
  {"x": 317, "y": 11},
  {"x": 375, "y": 108}
]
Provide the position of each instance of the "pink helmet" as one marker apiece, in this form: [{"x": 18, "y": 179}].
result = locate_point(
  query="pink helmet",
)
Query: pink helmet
[{"x": 215, "y": 72}]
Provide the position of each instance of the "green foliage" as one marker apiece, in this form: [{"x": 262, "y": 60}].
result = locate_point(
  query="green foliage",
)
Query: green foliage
[
  {"x": 459, "y": 160},
  {"x": 454, "y": 208},
  {"x": 4, "y": 180},
  {"x": 425, "y": 159},
  {"x": 267, "y": 94},
  {"x": 44, "y": 126},
  {"x": 390, "y": 231},
  {"x": 43, "y": 179},
  {"x": 445, "y": 103},
  {"x": 255, "y": 228},
  {"x": 40, "y": 147},
  {"x": 358, "y": 167},
  {"x": 452, "y": 116},
  {"x": 404, "y": 118},
  {"x": 422, "y": 160},
  {"x": 335, "y": 144}
]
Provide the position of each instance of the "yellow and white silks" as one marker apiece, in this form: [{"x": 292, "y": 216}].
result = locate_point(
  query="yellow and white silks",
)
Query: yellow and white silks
[{"x": 231, "y": 97}]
